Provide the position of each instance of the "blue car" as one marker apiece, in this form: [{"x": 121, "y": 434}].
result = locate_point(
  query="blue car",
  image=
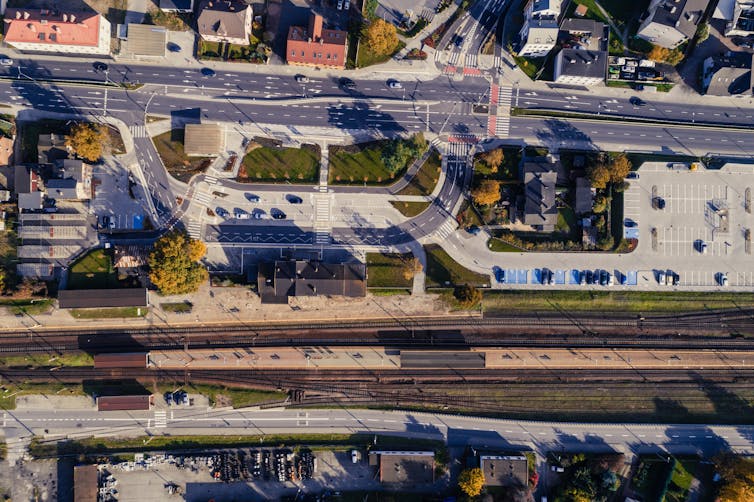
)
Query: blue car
[{"x": 500, "y": 275}]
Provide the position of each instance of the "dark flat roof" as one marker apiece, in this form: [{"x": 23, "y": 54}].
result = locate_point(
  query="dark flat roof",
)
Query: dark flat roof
[
  {"x": 85, "y": 483},
  {"x": 101, "y": 298},
  {"x": 442, "y": 359}
]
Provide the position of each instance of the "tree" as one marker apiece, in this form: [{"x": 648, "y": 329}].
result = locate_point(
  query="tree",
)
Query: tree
[
  {"x": 381, "y": 37},
  {"x": 619, "y": 166},
  {"x": 664, "y": 55},
  {"x": 86, "y": 140},
  {"x": 174, "y": 264},
  {"x": 600, "y": 204},
  {"x": 599, "y": 174},
  {"x": 606, "y": 243},
  {"x": 487, "y": 193},
  {"x": 467, "y": 296},
  {"x": 410, "y": 266},
  {"x": 738, "y": 477},
  {"x": 396, "y": 155},
  {"x": 471, "y": 481},
  {"x": 419, "y": 143},
  {"x": 702, "y": 32},
  {"x": 493, "y": 159},
  {"x": 370, "y": 6}
]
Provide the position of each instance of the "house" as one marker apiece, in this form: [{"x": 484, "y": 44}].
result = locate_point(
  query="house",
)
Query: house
[
  {"x": 584, "y": 196},
  {"x": 540, "y": 210},
  {"x": 586, "y": 28},
  {"x": 145, "y": 40},
  {"x": 504, "y": 470},
  {"x": 102, "y": 298},
  {"x": 182, "y": 6},
  {"x": 203, "y": 140},
  {"x": 25, "y": 180},
  {"x": 316, "y": 46},
  {"x": 57, "y": 31},
  {"x": 32, "y": 201},
  {"x": 728, "y": 75},
  {"x": 71, "y": 174},
  {"x": 738, "y": 16},
  {"x": 227, "y": 21},
  {"x": 404, "y": 467},
  {"x": 50, "y": 148},
  {"x": 86, "y": 483},
  {"x": 580, "y": 67},
  {"x": 287, "y": 278},
  {"x": 668, "y": 23},
  {"x": 539, "y": 32}
]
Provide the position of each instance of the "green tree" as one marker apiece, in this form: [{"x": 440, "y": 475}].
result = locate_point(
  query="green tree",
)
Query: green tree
[
  {"x": 467, "y": 296},
  {"x": 86, "y": 140},
  {"x": 174, "y": 265},
  {"x": 487, "y": 193},
  {"x": 370, "y": 7},
  {"x": 381, "y": 37},
  {"x": 702, "y": 32},
  {"x": 606, "y": 243},
  {"x": 600, "y": 204},
  {"x": 471, "y": 481},
  {"x": 419, "y": 143},
  {"x": 396, "y": 155}
]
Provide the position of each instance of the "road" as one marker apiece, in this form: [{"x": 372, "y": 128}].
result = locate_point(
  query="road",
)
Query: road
[{"x": 456, "y": 430}]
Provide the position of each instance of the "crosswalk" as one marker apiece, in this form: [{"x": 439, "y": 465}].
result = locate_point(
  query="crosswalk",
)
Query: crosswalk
[
  {"x": 321, "y": 237},
  {"x": 160, "y": 419},
  {"x": 428, "y": 14},
  {"x": 211, "y": 180},
  {"x": 138, "y": 131},
  {"x": 458, "y": 151},
  {"x": 454, "y": 58},
  {"x": 321, "y": 219},
  {"x": 497, "y": 61},
  {"x": 203, "y": 199},
  {"x": 194, "y": 229},
  {"x": 471, "y": 60},
  {"x": 503, "y": 120},
  {"x": 445, "y": 230}
]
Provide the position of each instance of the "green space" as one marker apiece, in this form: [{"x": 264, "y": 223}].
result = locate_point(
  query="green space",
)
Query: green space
[
  {"x": 30, "y": 132},
  {"x": 169, "y": 146},
  {"x": 10, "y": 391},
  {"x": 43, "y": 360},
  {"x": 41, "y": 448},
  {"x": 30, "y": 306},
  {"x": 587, "y": 476},
  {"x": 530, "y": 66},
  {"x": 94, "y": 270},
  {"x": 177, "y": 307},
  {"x": 367, "y": 163},
  {"x": 278, "y": 164},
  {"x": 426, "y": 178},
  {"x": 505, "y": 172},
  {"x": 367, "y": 57},
  {"x": 410, "y": 209},
  {"x": 681, "y": 479},
  {"x": 444, "y": 272},
  {"x": 652, "y": 477},
  {"x": 500, "y": 246},
  {"x": 418, "y": 26},
  {"x": 109, "y": 313},
  {"x": 173, "y": 21},
  {"x": 7, "y": 125},
  {"x": 386, "y": 270},
  {"x": 9, "y": 252},
  {"x": 222, "y": 396},
  {"x": 614, "y": 301},
  {"x": 661, "y": 87}
]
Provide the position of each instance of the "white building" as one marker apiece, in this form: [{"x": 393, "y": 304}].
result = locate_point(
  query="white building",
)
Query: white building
[
  {"x": 226, "y": 21},
  {"x": 669, "y": 23},
  {"x": 580, "y": 67},
  {"x": 540, "y": 30},
  {"x": 738, "y": 16},
  {"x": 62, "y": 32}
]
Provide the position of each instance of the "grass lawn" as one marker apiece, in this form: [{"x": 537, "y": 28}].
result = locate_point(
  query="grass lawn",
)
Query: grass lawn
[
  {"x": 46, "y": 360},
  {"x": 109, "y": 313},
  {"x": 443, "y": 271},
  {"x": 366, "y": 57},
  {"x": 410, "y": 209},
  {"x": 680, "y": 482},
  {"x": 271, "y": 164},
  {"x": 177, "y": 307},
  {"x": 426, "y": 178},
  {"x": 567, "y": 223},
  {"x": 386, "y": 271},
  {"x": 170, "y": 148},
  {"x": 360, "y": 164},
  {"x": 506, "y": 172},
  {"x": 500, "y": 246},
  {"x": 209, "y": 50},
  {"x": 94, "y": 270},
  {"x": 530, "y": 66},
  {"x": 607, "y": 301},
  {"x": 650, "y": 476},
  {"x": 28, "y": 306}
]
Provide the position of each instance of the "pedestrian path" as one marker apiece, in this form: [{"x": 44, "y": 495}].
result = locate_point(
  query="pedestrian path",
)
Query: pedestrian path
[
  {"x": 194, "y": 228},
  {"x": 160, "y": 419},
  {"x": 139, "y": 131},
  {"x": 503, "y": 116},
  {"x": 322, "y": 200}
]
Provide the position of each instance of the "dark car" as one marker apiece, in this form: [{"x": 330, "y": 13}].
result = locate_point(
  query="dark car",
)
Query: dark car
[
  {"x": 658, "y": 203},
  {"x": 636, "y": 101},
  {"x": 294, "y": 199},
  {"x": 474, "y": 230},
  {"x": 252, "y": 198},
  {"x": 589, "y": 277},
  {"x": 499, "y": 275},
  {"x": 100, "y": 66},
  {"x": 208, "y": 72},
  {"x": 173, "y": 47},
  {"x": 347, "y": 83},
  {"x": 277, "y": 214},
  {"x": 458, "y": 41}
]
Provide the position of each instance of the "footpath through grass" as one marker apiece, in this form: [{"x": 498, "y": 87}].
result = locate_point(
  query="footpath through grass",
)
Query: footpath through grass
[
  {"x": 614, "y": 301},
  {"x": 426, "y": 178},
  {"x": 277, "y": 164}
]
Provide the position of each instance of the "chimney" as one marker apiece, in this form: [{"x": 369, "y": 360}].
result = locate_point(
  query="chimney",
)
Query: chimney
[
  {"x": 18, "y": 14},
  {"x": 65, "y": 18},
  {"x": 26, "y": 15},
  {"x": 72, "y": 18}
]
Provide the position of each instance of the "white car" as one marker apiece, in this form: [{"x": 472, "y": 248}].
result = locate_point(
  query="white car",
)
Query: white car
[
  {"x": 703, "y": 248},
  {"x": 724, "y": 280},
  {"x": 347, "y": 5},
  {"x": 340, "y": 4},
  {"x": 394, "y": 84},
  {"x": 242, "y": 216},
  {"x": 6, "y": 62}
]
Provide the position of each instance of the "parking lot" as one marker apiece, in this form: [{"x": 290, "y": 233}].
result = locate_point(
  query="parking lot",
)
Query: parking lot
[
  {"x": 693, "y": 221},
  {"x": 118, "y": 197}
]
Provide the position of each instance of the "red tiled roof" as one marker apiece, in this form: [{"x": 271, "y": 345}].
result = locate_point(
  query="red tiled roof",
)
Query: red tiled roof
[
  {"x": 321, "y": 47},
  {"x": 45, "y": 26}
]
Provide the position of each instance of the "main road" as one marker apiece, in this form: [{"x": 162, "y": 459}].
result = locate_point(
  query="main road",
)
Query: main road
[{"x": 456, "y": 430}]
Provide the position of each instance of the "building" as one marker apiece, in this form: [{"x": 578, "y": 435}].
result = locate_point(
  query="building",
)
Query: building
[
  {"x": 203, "y": 140},
  {"x": 86, "y": 483},
  {"x": 540, "y": 210},
  {"x": 102, "y": 298},
  {"x": 404, "y": 467},
  {"x": 77, "y": 171},
  {"x": 738, "y": 16},
  {"x": 316, "y": 46},
  {"x": 183, "y": 6},
  {"x": 57, "y": 31},
  {"x": 668, "y": 23},
  {"x": 728, "y": 75},
  {"x": 504, "y": 470},
  {"x": 25, "y": 180},
  {"x": 145, "y": 40},
  {"x": 287, "y": 278},
  {"x": 125, "y": 403},
  {"x": 51, "y": 148},
  {"x": 227, "y": 21},
  {"x": 539, "y": 33},
  {"x": 580, "y": 67},
  {"x": 584, "y": 196},
  {"x": 32, "y": 201},
  {"x": 586, "y": 28}
]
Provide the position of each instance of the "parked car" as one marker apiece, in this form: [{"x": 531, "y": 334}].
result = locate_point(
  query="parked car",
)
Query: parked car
[
  {"x": 499, "y": 275},
  {"x": 277, "y": 214},
  {"x": 474, "y": 230},
  {"x": 242, "y": 215},
  {"x": 347, "y": 5},
  {"x": 589, "y": 277},
  {"x": 302, "y": 79},
  {"x": 724, "y": 280},
  {"x": 354, "y": 456},
  {"x": 222, "y": 212},
  {"x": 658, "y": 203},
  {"x": 340, "y": 4},
  {"x": 294, "y": 199},
  {"x": 168, "y": 398},
  {"x": 633, "y": 175},
  {"x": 173, "y": 47},
  {"x": 660, "y": 277},
  {"x": 702, "y": 247},
  {"x": 252, "y": 198}
]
